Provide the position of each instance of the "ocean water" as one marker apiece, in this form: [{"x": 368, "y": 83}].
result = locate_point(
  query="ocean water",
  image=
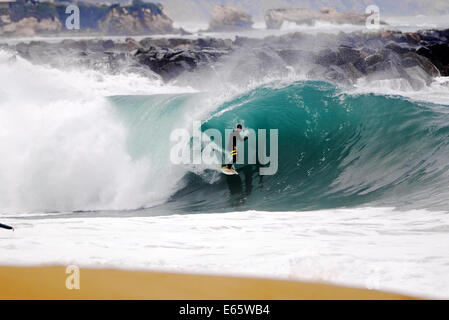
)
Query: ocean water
[{"x": 360, "y": 196}]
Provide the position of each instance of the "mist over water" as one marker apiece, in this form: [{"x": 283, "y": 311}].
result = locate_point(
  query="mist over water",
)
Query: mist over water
[{"x": 63, "y": 147}]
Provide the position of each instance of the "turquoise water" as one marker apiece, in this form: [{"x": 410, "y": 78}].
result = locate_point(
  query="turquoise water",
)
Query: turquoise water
[{"x": 335, "y": 149}]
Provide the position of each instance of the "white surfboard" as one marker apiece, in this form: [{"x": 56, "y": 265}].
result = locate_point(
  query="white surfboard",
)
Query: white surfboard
[{"x": 229, "y": 172}]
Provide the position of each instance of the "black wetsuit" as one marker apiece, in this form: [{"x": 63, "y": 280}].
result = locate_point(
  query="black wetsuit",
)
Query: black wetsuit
[
  {"x": 4, "y": 226},
  {"x": 232, "y": 146}
]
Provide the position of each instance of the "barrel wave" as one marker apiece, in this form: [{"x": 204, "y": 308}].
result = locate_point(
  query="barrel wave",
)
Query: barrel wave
[
  {"x": 75, "y": 149},
  {"x": 335, "y": 150}
]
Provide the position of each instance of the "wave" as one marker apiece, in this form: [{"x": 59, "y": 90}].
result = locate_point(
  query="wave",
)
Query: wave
[
  {"x": 335, "y": 149},
  {"x": 80, "y": 140}
]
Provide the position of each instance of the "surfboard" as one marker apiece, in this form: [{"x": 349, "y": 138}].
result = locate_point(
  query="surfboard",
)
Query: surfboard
[{"x": 228, "y": 172}]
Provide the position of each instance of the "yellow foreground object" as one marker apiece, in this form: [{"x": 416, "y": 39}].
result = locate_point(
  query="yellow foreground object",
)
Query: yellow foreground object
[{"x": 50, "y": 283}]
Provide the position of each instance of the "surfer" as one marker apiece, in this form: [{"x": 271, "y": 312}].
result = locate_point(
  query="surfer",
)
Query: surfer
[
  {"x": 232, "y": 145},
  {"x": 4, "y": 226}
]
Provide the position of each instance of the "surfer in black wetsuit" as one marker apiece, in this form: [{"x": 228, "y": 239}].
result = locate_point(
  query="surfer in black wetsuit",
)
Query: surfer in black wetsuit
[
  {"x": 232, "y": 145},
  {"x": 4, "y": 226}
]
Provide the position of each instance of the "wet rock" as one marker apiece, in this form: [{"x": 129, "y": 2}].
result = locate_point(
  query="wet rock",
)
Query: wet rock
[
  {"x": 438, "y": 54},
  {"x": 170, "y": 63},
  {"x": 373, "y": 59},
  {"x": 348, "y": 54},
  {"x": 400, "y": 48},
  {"x": 326, "y": 57}
]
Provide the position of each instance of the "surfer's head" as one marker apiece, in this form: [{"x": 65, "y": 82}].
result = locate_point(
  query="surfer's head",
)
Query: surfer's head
[{"x": 239, "y": 127}]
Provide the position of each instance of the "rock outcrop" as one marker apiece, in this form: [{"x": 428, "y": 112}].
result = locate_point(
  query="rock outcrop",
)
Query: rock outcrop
[
  {"x": 274, "y": 18},
  {"x": 28, "y": 18},
  {"x": 225, "y": 18},
  {"x": 135, "y": 20}
]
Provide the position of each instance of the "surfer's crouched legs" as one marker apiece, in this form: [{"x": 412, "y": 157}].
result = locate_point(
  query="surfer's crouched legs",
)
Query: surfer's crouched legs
[{"x": 234, "y": 158}]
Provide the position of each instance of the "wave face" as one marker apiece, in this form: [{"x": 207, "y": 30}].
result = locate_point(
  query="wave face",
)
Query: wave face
[{"x": 335, "y": 150}]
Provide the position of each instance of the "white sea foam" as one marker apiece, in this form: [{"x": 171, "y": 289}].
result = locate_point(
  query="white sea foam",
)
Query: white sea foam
[
  {"x": 436, "y": 92},
  {"x": 63, "y": 147},
  {"x": 377, "y": 248}
]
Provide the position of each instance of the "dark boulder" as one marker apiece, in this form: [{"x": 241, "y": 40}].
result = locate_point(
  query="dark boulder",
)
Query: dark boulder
[
  {"x": 373, "y": 59},
  {"x": 170, "y": 63},
  {"x": 400, "y": 48},
  {"x": 326, "y": 57},
  {"x": 438, "y": 54},
  {"x": 348, "y": 55}
]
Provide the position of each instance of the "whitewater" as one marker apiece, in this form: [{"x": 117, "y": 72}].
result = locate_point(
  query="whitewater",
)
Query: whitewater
[{"x": 360, "y": 197}]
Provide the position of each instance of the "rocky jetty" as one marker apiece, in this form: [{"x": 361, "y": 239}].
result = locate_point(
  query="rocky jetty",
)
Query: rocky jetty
[
  {"x": 343, "y": 58},
  {"x": 274, "y": 18},
  {"x": 162, "y": 58},
  {"x": 226, "y": 18},
  {"x": 29, "y": 18}
]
